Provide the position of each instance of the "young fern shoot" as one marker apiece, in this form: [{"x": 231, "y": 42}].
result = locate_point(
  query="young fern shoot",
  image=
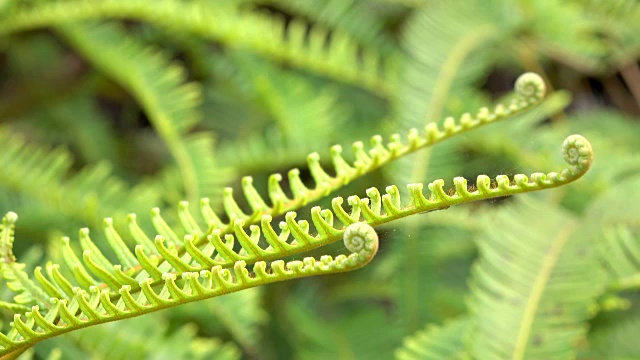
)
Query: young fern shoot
[
  {"x": 199, "y": 264},
  {"x": 529, "y": 91}
]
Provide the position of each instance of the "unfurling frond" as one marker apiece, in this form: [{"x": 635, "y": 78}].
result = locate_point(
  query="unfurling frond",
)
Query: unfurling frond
[
  {"x": 367, "y": 161},
  {"x": 205, "y": 257},
  {"x": 171, "y": 270},
  {"x": 81, "y": 307}
]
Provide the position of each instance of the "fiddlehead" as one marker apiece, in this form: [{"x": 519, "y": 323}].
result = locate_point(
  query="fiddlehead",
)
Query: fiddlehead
[
  {"x": 530, "y": 87},
  {"x": 360, "y": 238},
  {"x": 578, "y": 153}
]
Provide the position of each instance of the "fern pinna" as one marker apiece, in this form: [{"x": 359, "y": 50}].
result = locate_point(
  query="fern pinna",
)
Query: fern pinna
[{"x": 200, "y": 258}]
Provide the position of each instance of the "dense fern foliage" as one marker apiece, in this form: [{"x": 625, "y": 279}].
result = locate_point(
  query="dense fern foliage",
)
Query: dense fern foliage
[{"x": 206, "y": 158}]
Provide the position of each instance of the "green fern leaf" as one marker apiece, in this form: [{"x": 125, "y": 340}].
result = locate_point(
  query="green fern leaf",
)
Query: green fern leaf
[
  {"x": 304, "y": 117},
  {"x": 80, "y": 301},
  {"x": 98, "y": 291},
  {"x": 435, "y": 343},
  {"x": 534, "y": 284},
  {"x": 440, "y": 40},
  {"x": 147, "y": 338},
  {"x": 341, "y": 58},
  {"x": 160, "y": 87},
  {"x": 87, "y": 196}
]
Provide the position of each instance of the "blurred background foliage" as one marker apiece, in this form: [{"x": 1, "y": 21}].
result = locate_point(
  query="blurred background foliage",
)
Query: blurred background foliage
[{"x": 110, "y": 107}]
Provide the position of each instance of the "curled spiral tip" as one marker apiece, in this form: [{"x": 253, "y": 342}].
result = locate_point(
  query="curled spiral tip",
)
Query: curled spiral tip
[
  {"x": 577, "y": 151},
  {"x": 530, "y": 86},
  {"x": 360, "y": 238}
]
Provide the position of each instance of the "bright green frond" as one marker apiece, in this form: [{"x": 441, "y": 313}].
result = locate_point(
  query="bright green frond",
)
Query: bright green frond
[
  {"x": 208, "y": 153},
  {"x": 196, "y": 262},
  {"x": 78, "y": 303}
]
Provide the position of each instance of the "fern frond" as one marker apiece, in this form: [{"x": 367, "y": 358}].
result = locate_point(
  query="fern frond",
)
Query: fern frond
[
  {"x": 440, "y": 40},
  {"x": 529, "y": 89},
  {"x": 357, "y": 18},
  {"x": 435, "y": 343},
  {"x": 305, "y": 116},
  {"x": 534, "y": 286},
  {"x": 155, "y": 257},
  {"x": 87, "y": 196},
  {"x": 241, "y": 314},
  {"x": 161, "y": 89},
  {"x": 80, "y": 307},
  {"x": 148, "y": 338},
  {"x": 197, "y": 248},
  {"x": 340, "y": 58},
  {"x": 101, "y": 291}
]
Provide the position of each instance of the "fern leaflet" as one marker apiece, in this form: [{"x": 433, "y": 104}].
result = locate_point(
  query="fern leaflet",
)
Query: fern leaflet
[
  {"x": 341, "y": 58},
  {"x": 168, "y": 101}
]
